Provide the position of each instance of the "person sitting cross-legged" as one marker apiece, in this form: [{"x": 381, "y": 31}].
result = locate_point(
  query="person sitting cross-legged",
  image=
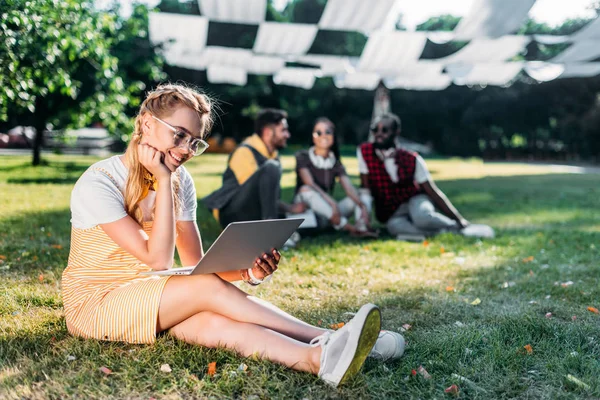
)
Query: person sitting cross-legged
[
  {"x": 317, "y": 170},
  {"x": 404, "y": 194}
]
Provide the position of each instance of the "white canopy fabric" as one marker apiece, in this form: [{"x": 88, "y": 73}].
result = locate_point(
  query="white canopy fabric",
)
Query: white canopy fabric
[
  {"x": 543, "y": 71},
  {"x": 284, "y": 39},
  {"x": 298, "y": 77},
  {"x": 390, "y": 51},
  {"x": 546, "y": 71},
  {"x": 358, "y": 15},
  {"x": 230, "y": 56},
  {"x": 357, "y": 80},
  {"x": 588, "y": 32},
  {"x": 585, "y": 50},
  {"x": 492, "y": 18},
  {"x": 496, "y": 74},
  {"x": 185, "y": 59},
  {"x": 329, "y": 65},
  {"x": 226, "y": 74},
  {"x": 265, "y": 65},
  {"x": 551, "y": 39},
  {"x": 179, "y": 33},
  {"x": 581, "y": 70},
  {"x": 489, "y": 50},
  {"x": 423, "y": 75},
  {"x": 245, "y": 12}
]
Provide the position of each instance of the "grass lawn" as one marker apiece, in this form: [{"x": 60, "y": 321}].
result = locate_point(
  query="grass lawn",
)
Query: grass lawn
[{"x": 527, "y": 334}]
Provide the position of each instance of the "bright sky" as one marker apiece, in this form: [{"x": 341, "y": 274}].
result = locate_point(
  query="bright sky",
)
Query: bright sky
[{"x": 553, "y": 12}]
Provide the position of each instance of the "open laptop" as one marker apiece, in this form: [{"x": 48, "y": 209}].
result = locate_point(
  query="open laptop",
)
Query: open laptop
[{"x": 239, "y": 245}]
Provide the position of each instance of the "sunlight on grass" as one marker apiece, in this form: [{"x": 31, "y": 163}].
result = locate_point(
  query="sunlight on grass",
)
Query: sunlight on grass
[{"x": 471, "y": 305}]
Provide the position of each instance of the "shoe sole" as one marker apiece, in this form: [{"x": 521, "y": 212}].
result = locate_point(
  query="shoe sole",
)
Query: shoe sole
[
  {"x": 411, "y": 238},
  {"x": 366, "y": 341}
]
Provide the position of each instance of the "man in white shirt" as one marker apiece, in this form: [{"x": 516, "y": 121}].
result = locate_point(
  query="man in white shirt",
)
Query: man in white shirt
[{"x": 404, "y": 194}]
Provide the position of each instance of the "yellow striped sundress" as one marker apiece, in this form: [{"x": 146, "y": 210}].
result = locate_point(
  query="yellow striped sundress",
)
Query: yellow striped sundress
[{"x": 104, "y": 295}]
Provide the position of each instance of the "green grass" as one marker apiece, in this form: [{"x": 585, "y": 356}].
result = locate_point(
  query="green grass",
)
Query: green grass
[{"x": 548, "y": 231}]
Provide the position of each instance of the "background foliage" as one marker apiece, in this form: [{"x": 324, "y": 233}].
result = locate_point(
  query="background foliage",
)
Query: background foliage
[{"x": 68, "y": 71}]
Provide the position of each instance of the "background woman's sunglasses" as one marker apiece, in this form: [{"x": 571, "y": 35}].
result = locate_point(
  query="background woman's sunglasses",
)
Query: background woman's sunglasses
[{"x": 326, "y": 132}]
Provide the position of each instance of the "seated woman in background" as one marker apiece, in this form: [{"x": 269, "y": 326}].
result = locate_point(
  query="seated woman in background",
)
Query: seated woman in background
[{"x": 317, "y": 169}]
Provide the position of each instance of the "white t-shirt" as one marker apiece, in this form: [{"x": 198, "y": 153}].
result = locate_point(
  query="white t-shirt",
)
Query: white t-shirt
[
  {"x": 97, "y": 197},
  {"x": 422, "y": 174}
]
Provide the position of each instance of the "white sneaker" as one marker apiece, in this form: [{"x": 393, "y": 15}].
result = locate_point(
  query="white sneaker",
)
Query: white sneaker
[
  {"x": 410, "y": 237},
  {"x": 389, "y": 346},
  {"x": 292, "y": 242},
  {"x": 344, "y": 351}
]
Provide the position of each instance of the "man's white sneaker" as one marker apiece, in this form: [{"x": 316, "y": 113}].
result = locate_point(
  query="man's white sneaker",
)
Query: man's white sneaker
[
  {"x": 410, "y": 237},
  {"x": 344, "y": 351},
  {"x": 389, "y": 346},
  {"x": 292, "y": 242}
]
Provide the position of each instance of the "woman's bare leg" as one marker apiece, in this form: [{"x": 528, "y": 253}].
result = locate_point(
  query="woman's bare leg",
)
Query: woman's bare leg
[
  {"x": 213, "y": 330},
  {"x": 185, "y": 296}
]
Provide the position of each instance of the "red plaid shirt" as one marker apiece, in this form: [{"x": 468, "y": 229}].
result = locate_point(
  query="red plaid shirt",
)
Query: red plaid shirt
[{"x": 388, "y": 196}]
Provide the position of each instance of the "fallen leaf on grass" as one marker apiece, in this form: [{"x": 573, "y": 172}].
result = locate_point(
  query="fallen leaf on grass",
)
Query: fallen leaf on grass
[
  {"x": 451, "y": 389},
  {"x": 294, "y": 259},
  {"x": 449, "y": 288},
  {"x": 423, "y": 372},
  {"x": 476, "y": 302},
  {"x": 406, "y": 327},
  {"x": 41, "y": 278},
  {"x": 468, "y": 382},
  {"x": 425, "y": 243},
  {"x": 528, "y": 259},
  {"x": 442, "y": 250},
  {"x": 337, "y": 326},
  {"x": 242, "y": 367},
  {"x": 212, "y": 368},
  {"x": 549, "y": 315},
  {"x": 165, "y": 368},
  {"x": 105, "y": 371},
  {"x": 531, "y": 273},
  {"x": 2, "y": 257},
  {"x": 528, "y": 348},
  {"x": 578, "y": 382},
  {"x": 566, "y": 284},
  {"x": 594, "y": 310},
  {"x": 56, "y": 246},
  {"x": 574, "y": 317},
  {"x": 413, "y": 372}
]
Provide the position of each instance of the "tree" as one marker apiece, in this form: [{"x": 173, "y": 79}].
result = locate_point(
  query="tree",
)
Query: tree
[
  {"x": 57, "y": 67},
  {"x": 444, "y": 22}
]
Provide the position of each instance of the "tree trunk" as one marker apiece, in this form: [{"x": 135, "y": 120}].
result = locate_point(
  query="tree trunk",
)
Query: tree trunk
[{"x": 38, "y": 141}]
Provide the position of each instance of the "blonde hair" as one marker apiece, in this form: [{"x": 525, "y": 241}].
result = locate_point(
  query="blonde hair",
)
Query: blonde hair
[{"x": 161, "y": 102}]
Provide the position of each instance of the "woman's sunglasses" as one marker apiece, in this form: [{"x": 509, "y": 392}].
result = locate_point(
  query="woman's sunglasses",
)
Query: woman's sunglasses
[{"x": 325, "y": 132}]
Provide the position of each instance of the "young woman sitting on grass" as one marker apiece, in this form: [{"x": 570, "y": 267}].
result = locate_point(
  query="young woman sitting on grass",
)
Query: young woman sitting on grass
[
  {"x": 130, "y": 212},
  {"x": 317, "y": 170}
]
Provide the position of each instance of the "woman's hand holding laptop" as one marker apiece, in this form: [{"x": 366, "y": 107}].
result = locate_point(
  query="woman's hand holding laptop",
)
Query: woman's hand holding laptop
[{"x": 263, "y": 267}]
